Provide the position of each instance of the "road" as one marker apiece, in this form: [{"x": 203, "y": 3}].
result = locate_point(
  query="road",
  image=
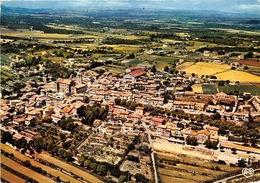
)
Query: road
[
  {"x": 228, "y": 178},
  {"x": 152, "y": 153}
]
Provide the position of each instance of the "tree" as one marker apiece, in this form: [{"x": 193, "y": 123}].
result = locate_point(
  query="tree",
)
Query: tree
[
  {"x": 191, "y": 141},
  {"x": 117, "y": 101},
  {"x": 141, "y": 178},
  {"x": 87, "y": 163},
  {"x": 153, "y": 69},
  {"x": 86, "y": 99},
  {"x": 249, "y": 55},
  {"x": 81, "y": 159},
  {"x": 101, "y": 169},
  {"x": 93, "y": 166},
  {"x": 27, "y": 163},
  {"x": 7, "y": 137},
  {"x": 122, "y": 178},
  {"x": 166, "y": 68},
  {"x": 207, "y": 143},
  {"x": 21, "y": 143},
  {"x": 253, "y": 141}
]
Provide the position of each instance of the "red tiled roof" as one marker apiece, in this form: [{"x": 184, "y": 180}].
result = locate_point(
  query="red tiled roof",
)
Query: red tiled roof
[
  {"x": 66, "y": 109},
  {"x": 137, "y": 73}
]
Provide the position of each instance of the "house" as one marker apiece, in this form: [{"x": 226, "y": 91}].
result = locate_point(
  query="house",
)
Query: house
[
  {"x": 109, "y": 131},
  {"x": 55, "y": 118},
  {"x": 202, "y": 136},
  {"x": 139, "y": 111},
  {"x": 128, "y": 127},
  {"x": 241, "y": 157},
  {"x": 97, "y": 122},
  {"x": 133, "y": 75},
  {"x": 156, "y": 101},
  {"x": 19, "y": 121},
  {"x": 29, "y": 119},
  {"x": 161, "y": 130},
  {"x": 80, "y": 88},
  {"x": 156, "y": 121},
  {"x": 64, "y": 85},
  {"x": 256, "y": 103},
  {"x": 212, "y": 130},
  {"x": 183, "y": 105},
  {"x": 241, "y": 116}
]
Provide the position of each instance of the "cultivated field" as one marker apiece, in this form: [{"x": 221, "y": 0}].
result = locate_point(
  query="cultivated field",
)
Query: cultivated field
[
  {"x": 253, "y": 88},
  {"x": 51, "y": 171},
  {"x": 238, "y": 76},
  {"x": 10, "y": 177},
  {"x": 69, "y": 168},
  {"x": 189, "y": 168},
  {"x": 203, "y": 68},
  {"x": 26, "y": 171},
  {"x": 221, "y": 71},
  {"x": 197, "y": 88}
]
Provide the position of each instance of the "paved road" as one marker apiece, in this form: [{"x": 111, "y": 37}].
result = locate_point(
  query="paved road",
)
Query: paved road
[{"x": 228, "y": 178}]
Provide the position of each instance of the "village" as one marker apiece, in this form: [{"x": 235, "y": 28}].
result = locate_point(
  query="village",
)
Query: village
[{"x": 144, "y": 110}]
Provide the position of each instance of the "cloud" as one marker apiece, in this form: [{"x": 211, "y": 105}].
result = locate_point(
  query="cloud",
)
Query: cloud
[{"x": 249, "y": 6}]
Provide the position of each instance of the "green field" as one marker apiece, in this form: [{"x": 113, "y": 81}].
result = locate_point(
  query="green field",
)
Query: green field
[
  {"x": 209, "y": 89},
  {"x": 135, "y": 62},
  {"x": 252, "y": 88},
  {"x": 5, "y": 60}
]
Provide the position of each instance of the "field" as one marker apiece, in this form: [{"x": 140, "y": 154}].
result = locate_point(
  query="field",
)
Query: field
[
  {"x": 197, "y": 88},
  {"x": 209, "y": 89},
  {"x": 249, "y": 62},
  {"x": 238, "y": 76},
  {"x": 253, "y": 88},
  {"x": 114, "y": 69},
  {"x": 188, "y": 168},
  {"x": 35, "y": 163},
  {"x": 10, "y": 177},
  {"x": 70, "y": 168},
  {"x": 203, "y": 68},
  {"x": 221, "y": 71},
  {"x": 26, "y": 171}
]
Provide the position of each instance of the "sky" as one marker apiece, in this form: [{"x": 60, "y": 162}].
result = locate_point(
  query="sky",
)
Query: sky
[{"x": 215, "y": 5}]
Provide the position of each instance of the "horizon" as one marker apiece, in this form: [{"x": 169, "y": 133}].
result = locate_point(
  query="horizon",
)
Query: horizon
[{"x": 236, "y": 6}]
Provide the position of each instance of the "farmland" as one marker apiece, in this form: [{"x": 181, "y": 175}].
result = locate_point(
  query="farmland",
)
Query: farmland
[
  {"x": 253, "y": 88},
  {"x": 10, "y": 177},
  {"x": 238, "y": 76},
  {"x": 69, "y": 168},
  {"x": 204, "y": 68},
  {"x": 181, "y": 168},
  {"x": 26, "y": 171},
  {"x": 35, "y": 163},
  {"x": 221, "y": 71}
]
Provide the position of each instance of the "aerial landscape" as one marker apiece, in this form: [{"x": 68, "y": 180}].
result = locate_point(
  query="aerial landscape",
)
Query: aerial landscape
[{"x": 130, "y": 91}]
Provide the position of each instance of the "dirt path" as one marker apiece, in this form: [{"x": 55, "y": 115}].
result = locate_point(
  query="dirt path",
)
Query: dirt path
[
  {"x": 50, "y": 170},
  {"x": 160, "y": 147},
  {"x": 85, "y": 175},
  {"x": 10, "y": 177},
  {"x": 26, "y": 171}
]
